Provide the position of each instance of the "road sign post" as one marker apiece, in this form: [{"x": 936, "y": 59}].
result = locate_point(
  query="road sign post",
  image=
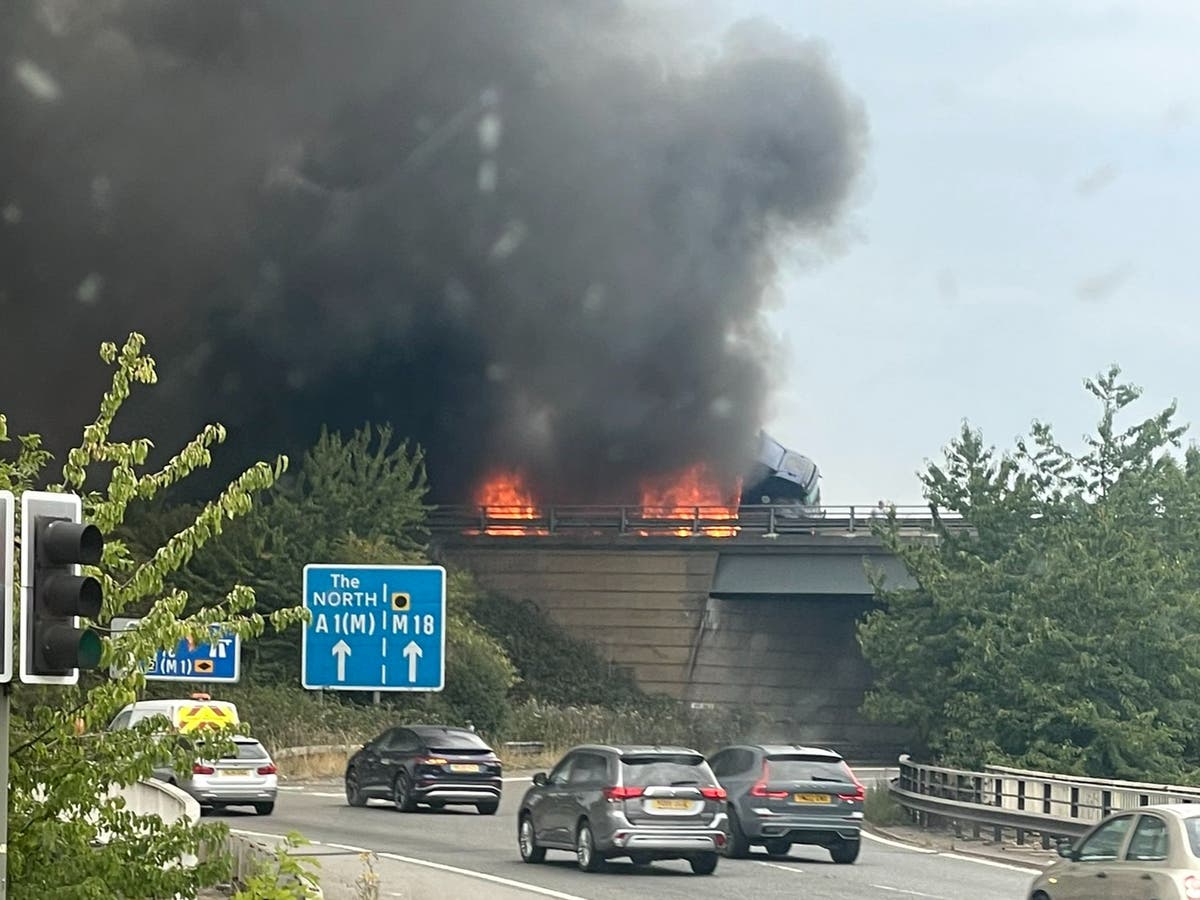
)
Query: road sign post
[
  {"x": 217, "y": 660},
  {"x": 374, "y": 628}
]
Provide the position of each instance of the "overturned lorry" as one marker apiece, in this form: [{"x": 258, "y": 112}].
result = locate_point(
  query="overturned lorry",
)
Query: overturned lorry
[{"x": 783, "y": 477}]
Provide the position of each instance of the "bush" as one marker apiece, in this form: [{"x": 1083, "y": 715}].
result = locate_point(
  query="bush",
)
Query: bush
[
  {"x": 658, "y": 720},
  {"x": 553, "y": 666}
]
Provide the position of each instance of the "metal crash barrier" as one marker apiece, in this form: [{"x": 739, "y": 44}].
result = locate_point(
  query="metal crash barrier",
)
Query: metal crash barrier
[{"x": 1005, "y": 799}]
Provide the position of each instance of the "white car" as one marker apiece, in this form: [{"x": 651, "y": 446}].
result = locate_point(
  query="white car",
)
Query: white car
[{"x": 1149, "y": 853}]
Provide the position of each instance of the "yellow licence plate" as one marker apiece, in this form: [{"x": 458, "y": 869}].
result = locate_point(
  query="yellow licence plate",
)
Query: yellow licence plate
[
  {"x": 670, "y": 804},
  {"x": 237, "y": 772},
  {"x": 464, "y": 767},
  {"x": 810, "y": 798}
]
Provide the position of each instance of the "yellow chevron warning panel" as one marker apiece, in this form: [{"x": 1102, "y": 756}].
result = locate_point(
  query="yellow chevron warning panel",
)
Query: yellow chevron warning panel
[{"x": 194, "y": 717}]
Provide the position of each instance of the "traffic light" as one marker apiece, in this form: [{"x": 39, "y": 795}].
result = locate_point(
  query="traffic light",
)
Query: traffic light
[{"x": 55, "y": 541}]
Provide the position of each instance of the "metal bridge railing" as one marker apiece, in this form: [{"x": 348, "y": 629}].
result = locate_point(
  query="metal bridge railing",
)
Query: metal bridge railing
[
  {"x": 1027, "y": 802},
  {"x": 631, "y": 519}
]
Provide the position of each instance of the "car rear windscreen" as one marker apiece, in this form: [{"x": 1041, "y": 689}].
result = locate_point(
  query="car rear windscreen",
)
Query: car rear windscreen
[
  {"x": 806, "y": 767},
  {"x": 451, "y": 742},
  {"x": 664, "y": 770},
  {"x": 249, "y": 750}
]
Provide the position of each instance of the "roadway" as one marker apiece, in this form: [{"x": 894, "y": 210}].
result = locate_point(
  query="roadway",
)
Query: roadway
[{"x": 447, "y": 853}]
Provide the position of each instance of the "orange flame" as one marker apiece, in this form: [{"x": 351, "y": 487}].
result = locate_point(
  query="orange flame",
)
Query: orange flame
[
  {"x": 692, "y": 494},
  {"x": 505, "y": 495}
]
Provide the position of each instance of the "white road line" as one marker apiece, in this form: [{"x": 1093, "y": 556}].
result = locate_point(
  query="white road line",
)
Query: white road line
[
  {"x": 428, "y": 864},
  {"x": 990, "y": 862},
  {"x": 897, "y": 844},
  {"x": 482, "y": 876},
  {"x": 896, "y": 890},
  {"x": 778, "y": 866},
  {"x": 948, "y": 854},
  {"x": 517, "y": 778}
]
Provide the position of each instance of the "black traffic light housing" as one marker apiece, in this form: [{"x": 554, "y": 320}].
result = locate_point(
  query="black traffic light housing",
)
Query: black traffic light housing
[{"x": 57, "y": 646}]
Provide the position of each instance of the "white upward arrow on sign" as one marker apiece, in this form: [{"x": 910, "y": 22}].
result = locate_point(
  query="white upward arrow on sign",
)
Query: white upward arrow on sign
[
  {"x": 341, "y": 650},
  {"x": 412, "y": 651}
]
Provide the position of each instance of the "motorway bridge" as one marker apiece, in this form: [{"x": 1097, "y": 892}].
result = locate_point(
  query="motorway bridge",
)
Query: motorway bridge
[{"x": 713, "y": 606}]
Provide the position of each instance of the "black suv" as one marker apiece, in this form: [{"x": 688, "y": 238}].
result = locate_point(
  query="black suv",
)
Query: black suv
[
  {"x": 781, "y": 795},
  {"x": 429, "y": 764}
]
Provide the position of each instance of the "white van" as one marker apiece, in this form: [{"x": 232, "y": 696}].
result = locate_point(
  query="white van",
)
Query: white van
[{"x": 192, "y": 714}]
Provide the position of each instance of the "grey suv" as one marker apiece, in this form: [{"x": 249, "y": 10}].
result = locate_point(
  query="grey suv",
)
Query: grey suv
[
  {"x": 645, "y": 803},
  {"x": 781, "y": 795}
]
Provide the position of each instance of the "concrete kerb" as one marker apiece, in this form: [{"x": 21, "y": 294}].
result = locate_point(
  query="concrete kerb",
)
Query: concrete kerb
[{"x": 249, "y": 856}]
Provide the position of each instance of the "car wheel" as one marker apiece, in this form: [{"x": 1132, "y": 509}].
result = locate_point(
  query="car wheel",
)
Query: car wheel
[
  {"x": 402, "y": 793},
  {"x": 487, "y": 809},
  {"x": 585, "y": 849},
  {"x": 844, "y": 851},
  {"x": 527, "y": 841},
  {"x": 737, "y": 847},
  {"x": 354, "y": 794},
  {"x": 264, "y": 809},
  {"x": 704, "y": 863},
  {"x": 778, "y": 847}
]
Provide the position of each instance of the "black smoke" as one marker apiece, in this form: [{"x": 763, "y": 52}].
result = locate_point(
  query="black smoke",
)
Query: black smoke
[{"x": 527, "y": 233}]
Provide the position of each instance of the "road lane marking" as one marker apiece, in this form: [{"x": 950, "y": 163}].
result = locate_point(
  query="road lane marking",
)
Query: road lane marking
[
  {"x": 483, "y": 876},
  {"x": 991, "y": 862},
  {"x": 949, "y": 854},
  {"x": 428, "y": 864},
  {"x": 896, "y": 890},
  {"x": 897, "y": 844},
  {"x": 778, "y": 866}
]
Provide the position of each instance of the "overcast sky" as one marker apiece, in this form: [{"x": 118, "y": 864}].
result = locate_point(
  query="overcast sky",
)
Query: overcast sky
[{"x": 1030, "y": 215}]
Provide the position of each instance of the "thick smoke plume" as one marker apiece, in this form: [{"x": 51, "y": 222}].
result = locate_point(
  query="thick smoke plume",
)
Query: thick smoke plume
[{"x": 529, "y": 234}]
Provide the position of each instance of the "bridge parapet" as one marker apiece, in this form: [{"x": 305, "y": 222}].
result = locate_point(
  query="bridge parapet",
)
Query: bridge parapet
[{"x": 712, "y": 522}]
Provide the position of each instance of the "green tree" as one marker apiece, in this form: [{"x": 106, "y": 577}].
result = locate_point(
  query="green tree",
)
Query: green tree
[
  {"x": 357, "y": 500},
  {"x": 362, "y": 493},
  {"x": 1053, "y": 625},
  {"x": 69, "y": 836}
]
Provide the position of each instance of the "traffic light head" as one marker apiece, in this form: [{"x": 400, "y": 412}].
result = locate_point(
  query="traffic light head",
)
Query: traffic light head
[{"x": 55, "y": 543}]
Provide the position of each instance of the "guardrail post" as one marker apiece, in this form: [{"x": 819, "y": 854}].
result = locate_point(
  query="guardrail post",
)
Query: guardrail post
[
  {"x": 695, "y": 520},
  {"x": 771, "y": 522},
  {"x": 1074, "y": 802},
  {"x": 483, "y": 518},
  {"x": 553, "y": 520},
  {"x": 852, "y": 520},
  {"x": 1105, "y": 803}
]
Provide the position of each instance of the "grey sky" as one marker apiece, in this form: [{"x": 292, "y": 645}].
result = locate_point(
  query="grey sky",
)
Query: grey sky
[{"x": 1029, "y": 216}]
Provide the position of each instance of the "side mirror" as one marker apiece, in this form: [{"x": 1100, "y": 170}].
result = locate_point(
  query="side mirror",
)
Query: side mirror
[
  {"x": 1065, "y": 849},
  {"x": 540, "y": 779}
]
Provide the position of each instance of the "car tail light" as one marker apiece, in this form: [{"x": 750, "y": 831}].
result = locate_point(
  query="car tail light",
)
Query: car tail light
[
  {"x": 622, "y": 793},
  {"x": 713, "y": 793},
  {"x": 268, "y": 769},
  {"x": 432, "y": 761},
  {"x": 860, "y": 793},
  {"x": 760, "y": 787},
  {"x": 1191, "y": 887},
  {"x": 199, "y": 769},
  {"x": 719, "y": 839}
]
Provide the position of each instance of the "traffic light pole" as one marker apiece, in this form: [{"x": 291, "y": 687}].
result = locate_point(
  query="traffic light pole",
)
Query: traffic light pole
[{"x": 5, "y": 700}]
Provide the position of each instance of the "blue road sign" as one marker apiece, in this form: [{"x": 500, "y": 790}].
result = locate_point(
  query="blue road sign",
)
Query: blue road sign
[
  {"x": 218, "y": 660},
  {"x": 374, "y": 628}
]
